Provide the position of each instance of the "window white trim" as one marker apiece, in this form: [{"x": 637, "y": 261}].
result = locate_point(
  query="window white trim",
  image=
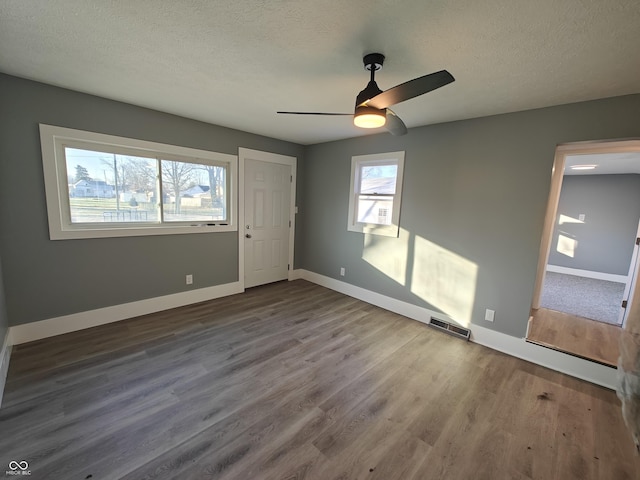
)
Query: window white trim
[
  {"x": 54, "y": 138},
  {"x": 358, "y": 161}
]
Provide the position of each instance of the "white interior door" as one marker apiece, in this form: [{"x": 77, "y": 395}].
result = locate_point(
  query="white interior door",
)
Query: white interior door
[{"x": 267, "y": 221}]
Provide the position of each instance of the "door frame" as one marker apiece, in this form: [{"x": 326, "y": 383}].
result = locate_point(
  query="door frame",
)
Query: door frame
[
  {"x": 247, "y": 153},
  {"x": 632, "y": 278},
  {"x": 557, "y": 174}
]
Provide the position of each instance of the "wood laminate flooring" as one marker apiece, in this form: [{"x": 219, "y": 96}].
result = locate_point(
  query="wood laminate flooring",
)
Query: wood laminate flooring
[
  {"x": 578, "y": 336},
  {"x": 294, "y": 381}
]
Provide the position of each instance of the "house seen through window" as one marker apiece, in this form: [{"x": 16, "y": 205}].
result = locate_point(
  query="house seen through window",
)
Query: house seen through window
[
  {"x": 99, "y": 186},
  {"x": 376, "y": 184},
  {"x": 113, "y": 188}
]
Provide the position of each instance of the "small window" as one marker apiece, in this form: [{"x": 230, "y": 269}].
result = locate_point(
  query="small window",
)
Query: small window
[
  {"x": 376, "y": 191},
  {"x": 105, "y": 186}
]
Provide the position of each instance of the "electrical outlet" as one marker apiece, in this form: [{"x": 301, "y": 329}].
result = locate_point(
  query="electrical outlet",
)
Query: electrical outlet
[
  {"x": 489, "y": 315},
  {"x": 189, "y": 279},
  {"x": 342, "y": 271}
]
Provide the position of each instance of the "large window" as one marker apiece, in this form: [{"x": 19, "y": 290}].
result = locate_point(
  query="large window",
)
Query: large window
[
  {"x": 105, "y": 186},
  {"x": 376, "y": 191}
]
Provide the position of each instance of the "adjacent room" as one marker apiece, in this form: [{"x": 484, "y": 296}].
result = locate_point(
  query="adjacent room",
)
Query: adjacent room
[
  {"x": 592, "y": 260},
  {"x": 278, "y": 240}
]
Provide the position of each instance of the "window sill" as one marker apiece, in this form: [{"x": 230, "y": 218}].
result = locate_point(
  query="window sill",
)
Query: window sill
[
  {"x": 80, "y": 233},
  {"x": 382, "y": 230}
]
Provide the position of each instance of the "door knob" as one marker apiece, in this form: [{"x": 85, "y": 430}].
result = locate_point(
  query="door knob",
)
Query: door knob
[{"x": 248, "y": 235}]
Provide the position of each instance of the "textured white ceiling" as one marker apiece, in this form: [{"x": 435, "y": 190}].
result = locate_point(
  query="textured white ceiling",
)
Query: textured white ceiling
[
  {"x": 234, "y": 63},
  {"x": 606, "y": 163}
]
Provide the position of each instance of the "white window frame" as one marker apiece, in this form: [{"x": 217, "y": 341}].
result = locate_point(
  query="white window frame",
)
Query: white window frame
[
  {"x": 53, "y": 141},
  {"x": 359, "y": 161}
]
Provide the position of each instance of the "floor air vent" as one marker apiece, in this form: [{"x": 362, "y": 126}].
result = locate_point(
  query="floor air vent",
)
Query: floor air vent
[{"x": 450, "y": 329}]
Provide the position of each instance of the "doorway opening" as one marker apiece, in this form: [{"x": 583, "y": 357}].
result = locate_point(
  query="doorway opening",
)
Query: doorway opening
[{"x": 588, "y": 252}]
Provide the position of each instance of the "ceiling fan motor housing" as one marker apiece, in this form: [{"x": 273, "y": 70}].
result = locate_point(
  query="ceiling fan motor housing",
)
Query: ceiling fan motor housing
[
  {"x": 370, "y": 91},
  {"x": 372, "y": 62}
]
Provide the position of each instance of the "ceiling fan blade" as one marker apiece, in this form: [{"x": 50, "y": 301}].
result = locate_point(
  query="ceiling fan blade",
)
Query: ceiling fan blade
[
  {"x": 411, "y": 89},
  {"x": 314, "y": 113},
  {"x": 394, "y": 125}
]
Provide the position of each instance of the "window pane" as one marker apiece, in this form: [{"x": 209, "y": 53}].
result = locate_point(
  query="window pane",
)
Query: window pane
[
  {"x": 111, "y": 188},
  {"x": 193, "y": 192},
  {"x": 378, "y": 179},
  {"x": 376, "y": 210}
]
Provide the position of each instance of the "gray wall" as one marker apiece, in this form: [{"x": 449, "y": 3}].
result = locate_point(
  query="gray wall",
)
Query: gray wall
[
  {"x": 45, "y": 279},
  {"x": 605, "y": 241},
  {"x": 474, "y": 199},
  {"x": 4, "y": 320}
]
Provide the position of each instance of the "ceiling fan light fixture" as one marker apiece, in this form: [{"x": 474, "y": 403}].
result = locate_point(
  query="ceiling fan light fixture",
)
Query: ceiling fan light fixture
[
  {"x": 372, "y": 108},
  {"x": 369, "y": 117}
]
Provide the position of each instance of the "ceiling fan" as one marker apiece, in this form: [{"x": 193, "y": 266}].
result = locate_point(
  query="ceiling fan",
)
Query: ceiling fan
[{"x": 372, "y": 104}]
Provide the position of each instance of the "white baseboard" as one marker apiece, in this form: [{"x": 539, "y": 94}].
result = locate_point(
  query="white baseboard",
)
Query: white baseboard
[
  {"x": 29, "y": 332},
  {"x": 5, "y": 355},
  {"x": 546, "y": 357},
  {"x": 610, "y": 277},
  {"x": 295, "y": 274},
  {"x": 388, "y": 303},
  {"x": 516, "y": 347}
]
